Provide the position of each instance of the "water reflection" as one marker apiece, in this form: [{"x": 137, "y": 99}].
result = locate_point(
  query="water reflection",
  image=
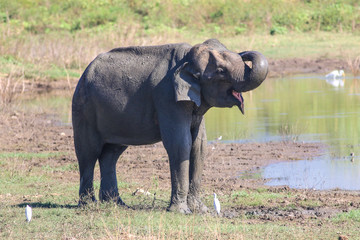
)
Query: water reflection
[
  {"x": 56, "y": 102},
  {"x": 336, "y": 82},
  {"x": 320, "y": 174},
  {"x": 301, "y": 108}
]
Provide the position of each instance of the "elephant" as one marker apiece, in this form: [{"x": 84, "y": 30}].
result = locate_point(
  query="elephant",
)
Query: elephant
[{"x": 146, "y": 94}]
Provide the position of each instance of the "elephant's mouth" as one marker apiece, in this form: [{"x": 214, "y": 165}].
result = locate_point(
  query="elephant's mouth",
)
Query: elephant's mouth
[{"x": 240, "y": 99}]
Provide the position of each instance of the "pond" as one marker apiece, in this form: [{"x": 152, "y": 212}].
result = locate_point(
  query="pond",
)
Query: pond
[{"x": 301, "y": 109}]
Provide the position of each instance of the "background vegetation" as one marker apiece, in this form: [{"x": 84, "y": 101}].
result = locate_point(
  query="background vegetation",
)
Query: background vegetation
[
  {"x": 51, "y": 39},
  {"x": 229, "y": 17}
]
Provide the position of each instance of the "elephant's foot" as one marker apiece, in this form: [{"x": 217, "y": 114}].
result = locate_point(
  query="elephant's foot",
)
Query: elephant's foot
[
  {"x": 120, "y": 202},
  {"x": 111, "y": 197},
  {"x": 85, "y": 200},
  {"x": 108, "y": 195},
  {"x": 179, "y": 207},
  {"x": 196, "y": 205}
]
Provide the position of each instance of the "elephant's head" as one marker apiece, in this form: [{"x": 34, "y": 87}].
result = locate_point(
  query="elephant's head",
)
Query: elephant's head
[{"x": 214, "y": 75}]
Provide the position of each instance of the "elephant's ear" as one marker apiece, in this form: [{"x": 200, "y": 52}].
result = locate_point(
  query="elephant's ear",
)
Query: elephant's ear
[{"x": 186, "y": 85}]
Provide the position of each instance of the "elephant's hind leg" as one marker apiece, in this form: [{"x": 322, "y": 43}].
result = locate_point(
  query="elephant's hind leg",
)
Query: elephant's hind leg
[
  {"x": 108, "y": 158},
  {"x": 88, "y": 148}
]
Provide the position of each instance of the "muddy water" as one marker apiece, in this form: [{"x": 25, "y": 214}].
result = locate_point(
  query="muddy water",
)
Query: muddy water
[
  {"x": 321, "y": 173},
  {"x": 303, "y": 108},
  {"x": 56, "y": 102}
]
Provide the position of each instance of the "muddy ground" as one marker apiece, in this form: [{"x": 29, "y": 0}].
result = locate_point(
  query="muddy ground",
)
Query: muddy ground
[
  {"x": 228, "y": 167},
  {"x": 320, "y": 66}
]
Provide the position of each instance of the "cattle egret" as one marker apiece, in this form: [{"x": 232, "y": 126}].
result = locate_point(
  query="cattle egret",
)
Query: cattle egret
[
  {"x": 139, "y": 190},
  {"x": 219, "y": 138},
  {"x": 216, "y": 204},
  {"x": 28, "y": 213},
  {"x": 336, "y": 74}
]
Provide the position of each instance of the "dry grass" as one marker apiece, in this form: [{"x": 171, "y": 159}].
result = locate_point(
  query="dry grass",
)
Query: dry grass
[
  {"x": 11, "y": 85},
  {"x": 74, "y": 51},
  {"x": 354, "y": 65}
]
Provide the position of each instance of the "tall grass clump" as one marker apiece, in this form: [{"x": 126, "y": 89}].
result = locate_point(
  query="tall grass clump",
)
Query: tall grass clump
[
  {"x": 354, "y": 65},
  {"x": 11, "y": 85}
]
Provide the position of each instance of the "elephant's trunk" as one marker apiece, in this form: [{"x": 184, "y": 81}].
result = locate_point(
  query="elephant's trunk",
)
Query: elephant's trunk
[{"x": 256, "y": 75}]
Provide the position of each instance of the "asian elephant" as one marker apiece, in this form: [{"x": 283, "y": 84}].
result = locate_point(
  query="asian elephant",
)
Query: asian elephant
[{"x": 143, "y": 95}]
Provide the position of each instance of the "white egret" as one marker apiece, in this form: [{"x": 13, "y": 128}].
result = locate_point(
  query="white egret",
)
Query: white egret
[
  {"x": 216, "y": 204},
  {"x": 219, "y": 138},
  {"x": 139, "y": 190},
  {"x": 28, "y": 213},
  {"x": 336, "y": 74}
]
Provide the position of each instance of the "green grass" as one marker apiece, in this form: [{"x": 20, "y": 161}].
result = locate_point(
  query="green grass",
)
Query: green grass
[
  {"x": 258, "y": 197},
  {"x": 29, "y": 70},
  {"x": 231, "y": 17},
  {"x": 252, "y": 174},
  {"x": 62, "y": 168},
  {"x": 51, "y": 190},
  {"x": 353, "y": 215},
  {"x": 27, "y": 155},
  {"x": 107, "y": 221},
  {"x": 310, "y": 45}
]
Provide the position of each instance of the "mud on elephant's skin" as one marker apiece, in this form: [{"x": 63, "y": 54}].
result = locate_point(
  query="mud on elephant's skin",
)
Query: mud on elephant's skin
[{"x": 143, "y": 95}]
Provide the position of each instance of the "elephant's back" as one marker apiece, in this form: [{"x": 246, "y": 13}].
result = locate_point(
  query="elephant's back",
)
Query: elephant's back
[{"x": 121, "y": 83}]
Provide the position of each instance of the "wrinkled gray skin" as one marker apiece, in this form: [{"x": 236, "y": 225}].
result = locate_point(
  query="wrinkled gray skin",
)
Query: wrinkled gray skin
[{"x": 143, "y": 95}]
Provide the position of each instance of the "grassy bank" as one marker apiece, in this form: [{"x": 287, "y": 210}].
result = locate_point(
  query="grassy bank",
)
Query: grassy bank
[
  {"x": 60, "y": 56},
  {"x": 57, "y": 39},
  {"x": 34, "y": 179}
]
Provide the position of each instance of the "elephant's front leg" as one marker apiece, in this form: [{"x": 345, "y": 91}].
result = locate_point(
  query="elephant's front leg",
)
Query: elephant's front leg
[
  {"x": 178, "y": 147},
  {"x": 179, "y": 168},
  {"x": 176, "y": 136},
  {"x": 197, "y": 157}
]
